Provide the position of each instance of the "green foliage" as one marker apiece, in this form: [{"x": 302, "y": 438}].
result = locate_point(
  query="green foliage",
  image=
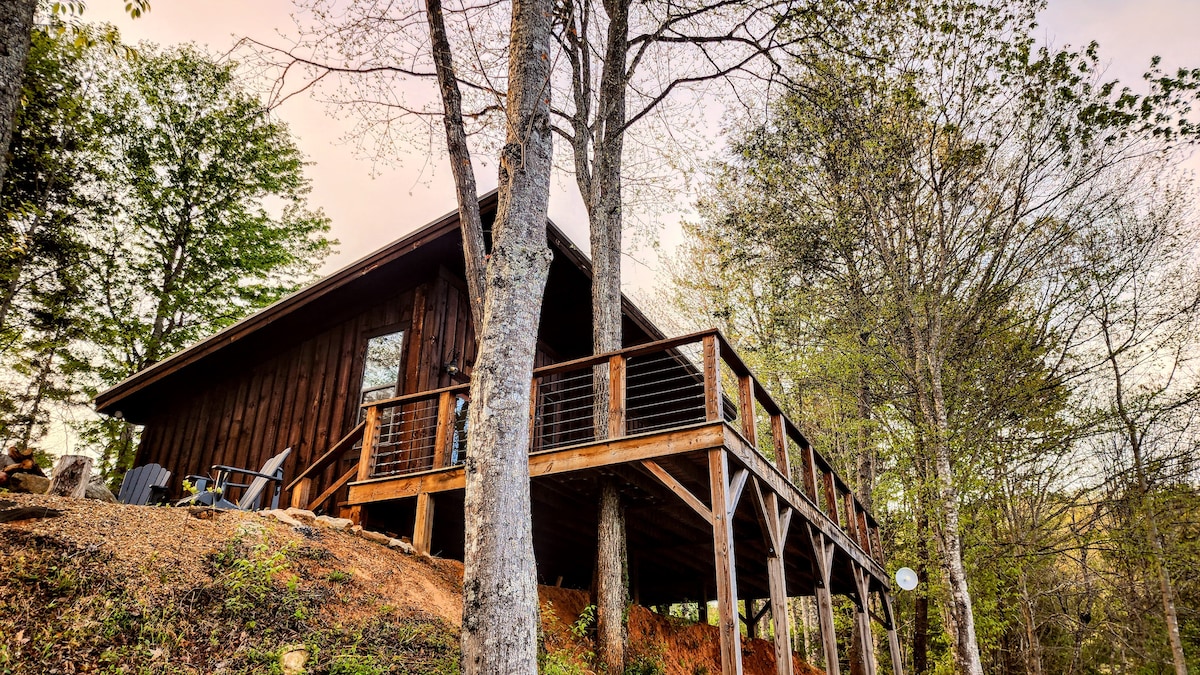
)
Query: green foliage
[
  {"x": 257, "y": 582},
  {"x": 339, "y": 577},
  {"x": 930, "y": 215},
  {"x": 150, "y": 202},
  {"x": 560, "y": 663},
  {"x": 644, "y": 664},
  {"x": 67, "y": 604},
  {"x": 584, "y": 625},
  {"x": 355, "y": 665}
]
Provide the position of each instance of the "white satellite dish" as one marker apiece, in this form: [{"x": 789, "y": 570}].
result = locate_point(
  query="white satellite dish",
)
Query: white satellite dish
[{"x": 906, "y": 578}]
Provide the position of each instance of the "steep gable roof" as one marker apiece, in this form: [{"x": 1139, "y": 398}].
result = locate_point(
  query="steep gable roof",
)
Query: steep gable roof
[{"x": 150, "y": 378}]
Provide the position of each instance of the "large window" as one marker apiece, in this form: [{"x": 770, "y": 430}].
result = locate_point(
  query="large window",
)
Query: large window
[{"x": 381, "y": 367}]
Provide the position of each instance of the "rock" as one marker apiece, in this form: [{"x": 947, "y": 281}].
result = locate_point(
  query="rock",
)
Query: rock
[
  {"x": 282, "y": 516},
  {"x": 28, "y": 483},
  {"x": 250, "y": 529},
  {"x": 335, "y": 523},
  {"x": 376, "y": 537},
  {"x": 303, "y": 515},
  {"x": 98, "y": 492},
  {"x": 402, "y": 546},
  {"x": 292, "y": 659}
]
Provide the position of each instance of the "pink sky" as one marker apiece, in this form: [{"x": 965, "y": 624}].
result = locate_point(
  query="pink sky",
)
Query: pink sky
[{"x": 369, "y": 210}]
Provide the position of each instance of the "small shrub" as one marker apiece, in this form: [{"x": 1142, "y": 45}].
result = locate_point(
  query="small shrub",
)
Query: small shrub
[
  {"x": 351, "y": 664},
  {"x": 583, "y": 625},
  {"x": 645, "y": 665},
  {"x": 339, "y": 577},
  {"x": 559, "y": 663},
  {"x": 249, "y": 580}
]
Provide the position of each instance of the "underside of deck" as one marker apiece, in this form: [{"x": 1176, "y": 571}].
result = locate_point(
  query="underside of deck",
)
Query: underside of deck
[
  {"x": 667, "y": 491},
  {"x": 670, "y": 544},
  {"x": 725, "y": 499}
]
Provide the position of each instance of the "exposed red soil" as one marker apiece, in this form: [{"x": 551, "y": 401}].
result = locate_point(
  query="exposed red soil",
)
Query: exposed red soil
[{"x": 164, "y": 554}]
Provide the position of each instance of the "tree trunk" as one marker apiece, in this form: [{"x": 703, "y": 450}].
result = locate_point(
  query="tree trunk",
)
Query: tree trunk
[
  {"x": 16, "y": 23},
  {"x": 1145, "y": 511},
  {"x": 865, "y": 470},
  {"x": 71, "y": 476},
  {"x": 500, "y": 601},
  {"x": 926, "y": 362},
  {"x": 920, "y": 648},
  {"x": 1033, "y": 646},
  {"x": 603, "y": 198},
  {"x": 966, "y": 648},
  {"x": 460, "y": 160},
  {"x": 611, "y": 583}
]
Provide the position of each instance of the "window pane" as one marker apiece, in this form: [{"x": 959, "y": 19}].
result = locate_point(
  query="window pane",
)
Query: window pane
[{"x": 381, "y": 367}]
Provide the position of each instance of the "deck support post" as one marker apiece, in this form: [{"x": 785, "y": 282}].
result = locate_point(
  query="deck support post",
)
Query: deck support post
[
  {"x": 823, "y": 556},
  {"x": 862, "y": 619},
  {"x": 722, "y": 525},
  {"x": 365, "y": 463},
  {"x": 423, "y": 525},
  {"x": 893, "y": 637},
  {"x": 777, "y": 580}
]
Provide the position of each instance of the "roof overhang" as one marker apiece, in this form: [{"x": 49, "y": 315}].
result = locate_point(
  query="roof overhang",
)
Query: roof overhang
[{"x": 111, "y": 400}]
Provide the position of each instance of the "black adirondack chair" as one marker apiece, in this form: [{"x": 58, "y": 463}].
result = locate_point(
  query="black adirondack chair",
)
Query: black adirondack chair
[
  {"x": 215, "y": 491},
  {"x": 143, "y": 485}
]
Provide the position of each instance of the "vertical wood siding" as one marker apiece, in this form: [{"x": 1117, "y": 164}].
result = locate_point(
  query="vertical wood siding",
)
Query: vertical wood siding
[{"x": 305, "y": 396}]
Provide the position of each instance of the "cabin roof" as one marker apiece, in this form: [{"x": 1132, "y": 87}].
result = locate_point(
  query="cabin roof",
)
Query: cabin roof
[{"x": 151, "y": 378}]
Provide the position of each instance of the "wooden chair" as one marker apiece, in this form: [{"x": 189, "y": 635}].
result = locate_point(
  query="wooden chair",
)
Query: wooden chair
[
  {"x": 140, "y": 485},
  {"x": 214, "y": 491}
]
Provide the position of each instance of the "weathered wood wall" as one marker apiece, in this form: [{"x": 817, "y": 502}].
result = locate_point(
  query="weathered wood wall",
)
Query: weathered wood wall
[{"x": 305, "y": 396}]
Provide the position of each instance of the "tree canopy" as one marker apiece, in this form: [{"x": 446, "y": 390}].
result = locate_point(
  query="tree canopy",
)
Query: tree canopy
[
  {"x": 151, "y": 201},
  {"x": 911, "y": 250}
]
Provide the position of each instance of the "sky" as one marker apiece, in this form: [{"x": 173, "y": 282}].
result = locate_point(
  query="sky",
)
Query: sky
[{"x": 372, "y": 204}]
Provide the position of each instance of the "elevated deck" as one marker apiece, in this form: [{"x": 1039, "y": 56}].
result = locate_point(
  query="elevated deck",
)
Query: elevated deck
[{"x": 725, "y": 499}]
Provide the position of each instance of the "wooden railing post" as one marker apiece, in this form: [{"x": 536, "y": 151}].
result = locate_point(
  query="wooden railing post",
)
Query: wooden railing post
[
  {"x": 746, "y": 408},
  {"x": 831, "y": 505},
  {"x": 779, "y": 440},
  {"x": 445, "y": 429},
  {"x": 301, "y": 492},
  {"x": 712, "y": 379},
  {"x": 810, "y": 472},
  {"x": 864, "y": 534},
  {"x": 534, "y": 445},
  {"x": 616, "y": 396},
  {"x": 370, "y": 437},
  {"x": 851, "y": 518},
  {"x": 876, "y": 543}
]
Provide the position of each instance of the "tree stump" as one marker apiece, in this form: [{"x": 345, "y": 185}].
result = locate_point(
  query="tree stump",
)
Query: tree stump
[{"x": 71, "y": 476}]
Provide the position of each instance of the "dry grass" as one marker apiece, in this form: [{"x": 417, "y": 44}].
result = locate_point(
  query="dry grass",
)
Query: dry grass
[{"x": 110, "y": 588}]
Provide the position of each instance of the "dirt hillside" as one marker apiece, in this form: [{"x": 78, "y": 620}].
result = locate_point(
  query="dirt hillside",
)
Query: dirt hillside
[{"x": 92, "y": 587}]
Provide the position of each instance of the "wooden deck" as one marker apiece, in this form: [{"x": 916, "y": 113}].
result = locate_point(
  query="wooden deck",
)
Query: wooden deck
[{"x": 715, "y": 508}]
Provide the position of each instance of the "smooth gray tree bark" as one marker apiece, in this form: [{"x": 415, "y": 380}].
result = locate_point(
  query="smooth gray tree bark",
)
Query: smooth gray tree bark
[{"x": 500, "y": 601}]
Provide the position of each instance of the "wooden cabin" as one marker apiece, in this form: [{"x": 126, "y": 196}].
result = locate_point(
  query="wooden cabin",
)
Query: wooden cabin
[{"x": 364, "y": 375}]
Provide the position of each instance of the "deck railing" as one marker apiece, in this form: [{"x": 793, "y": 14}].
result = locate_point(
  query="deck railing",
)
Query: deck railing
[{"x": 673, "y": 383}]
